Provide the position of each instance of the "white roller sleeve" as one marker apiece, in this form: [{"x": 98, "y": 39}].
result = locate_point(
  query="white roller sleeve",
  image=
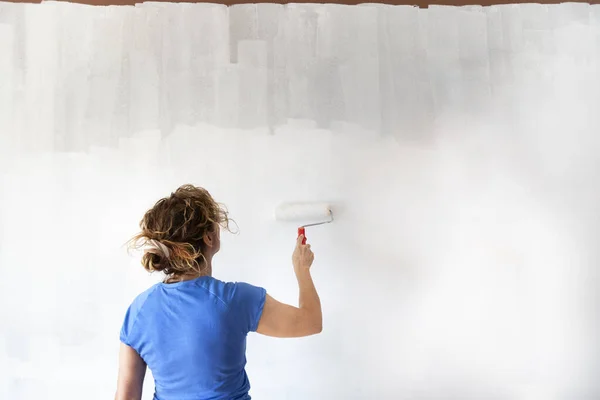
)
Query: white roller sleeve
[{"x": 306, "y": 212}]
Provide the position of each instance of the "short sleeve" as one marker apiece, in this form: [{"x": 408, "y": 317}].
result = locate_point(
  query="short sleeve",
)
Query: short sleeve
[
  {"x": 127, "y": 335},
  {"x": 248, "y": 302},
  {"x": 126, "y": 328}
]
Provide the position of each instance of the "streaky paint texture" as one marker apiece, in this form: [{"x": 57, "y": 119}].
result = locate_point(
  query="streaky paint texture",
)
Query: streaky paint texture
[{"x": 459, "y": 147}]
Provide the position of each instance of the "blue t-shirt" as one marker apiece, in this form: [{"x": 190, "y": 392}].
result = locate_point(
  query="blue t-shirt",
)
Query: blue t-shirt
[{"x": 192, "y": 336}]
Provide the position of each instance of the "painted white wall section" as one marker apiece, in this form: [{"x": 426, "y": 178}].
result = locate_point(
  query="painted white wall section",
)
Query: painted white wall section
[{"x": 458, "y": 146}]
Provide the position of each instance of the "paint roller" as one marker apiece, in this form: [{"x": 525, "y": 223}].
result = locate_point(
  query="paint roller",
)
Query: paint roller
[{"x": 317, "y": 213}]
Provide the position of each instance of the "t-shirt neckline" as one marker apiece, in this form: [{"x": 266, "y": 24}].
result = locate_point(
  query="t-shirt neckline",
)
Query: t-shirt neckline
[{"x": 177, "y": 284}]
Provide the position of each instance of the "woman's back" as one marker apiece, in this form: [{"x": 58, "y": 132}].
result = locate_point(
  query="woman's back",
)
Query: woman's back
[
  {"x": 191, "y": 330},
  {"x": 192, "y": 335}
]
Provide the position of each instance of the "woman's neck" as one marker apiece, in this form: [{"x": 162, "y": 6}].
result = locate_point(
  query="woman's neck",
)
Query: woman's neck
[{"x": 206, "y": 271}]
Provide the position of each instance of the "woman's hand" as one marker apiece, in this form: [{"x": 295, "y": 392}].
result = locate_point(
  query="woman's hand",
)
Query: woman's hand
[{"x": 303, "y": 257}]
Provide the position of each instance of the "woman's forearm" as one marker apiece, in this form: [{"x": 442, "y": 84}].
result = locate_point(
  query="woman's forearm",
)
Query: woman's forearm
[{"x": 309, "y": 299}]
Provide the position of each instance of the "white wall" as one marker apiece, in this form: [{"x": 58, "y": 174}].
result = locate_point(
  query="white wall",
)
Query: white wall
[{"x": 463, "y": 260}]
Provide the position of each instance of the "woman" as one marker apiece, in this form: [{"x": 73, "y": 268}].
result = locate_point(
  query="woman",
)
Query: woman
[{"x": 191, "y": 329}]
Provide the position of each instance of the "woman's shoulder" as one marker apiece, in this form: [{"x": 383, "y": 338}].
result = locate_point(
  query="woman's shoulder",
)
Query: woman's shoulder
[
  {"x": 141, "y": 298},
  {"x": 227, "y": 291}
]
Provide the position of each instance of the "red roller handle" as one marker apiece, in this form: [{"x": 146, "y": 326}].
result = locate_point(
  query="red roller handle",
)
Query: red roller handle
[{"x": 302, "y": 231}]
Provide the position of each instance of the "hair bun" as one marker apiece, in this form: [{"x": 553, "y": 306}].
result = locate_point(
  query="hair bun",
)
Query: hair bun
[
  {"x": 158, "y": 248},
  {"x": 156, "y": 256},
  {"x": 154, "y": 262}
]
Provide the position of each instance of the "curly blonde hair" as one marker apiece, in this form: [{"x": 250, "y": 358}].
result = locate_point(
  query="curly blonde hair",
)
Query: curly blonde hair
[{"x": 172, "y": 231}]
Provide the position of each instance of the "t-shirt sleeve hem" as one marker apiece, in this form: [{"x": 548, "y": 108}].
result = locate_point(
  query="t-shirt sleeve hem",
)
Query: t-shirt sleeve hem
[
  {"x": 123, "y": 339},
  {"x": 259, "y": 310}
]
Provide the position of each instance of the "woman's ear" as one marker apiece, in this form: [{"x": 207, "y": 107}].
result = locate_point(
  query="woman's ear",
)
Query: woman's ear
[{"x": 207, "y": 240}]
